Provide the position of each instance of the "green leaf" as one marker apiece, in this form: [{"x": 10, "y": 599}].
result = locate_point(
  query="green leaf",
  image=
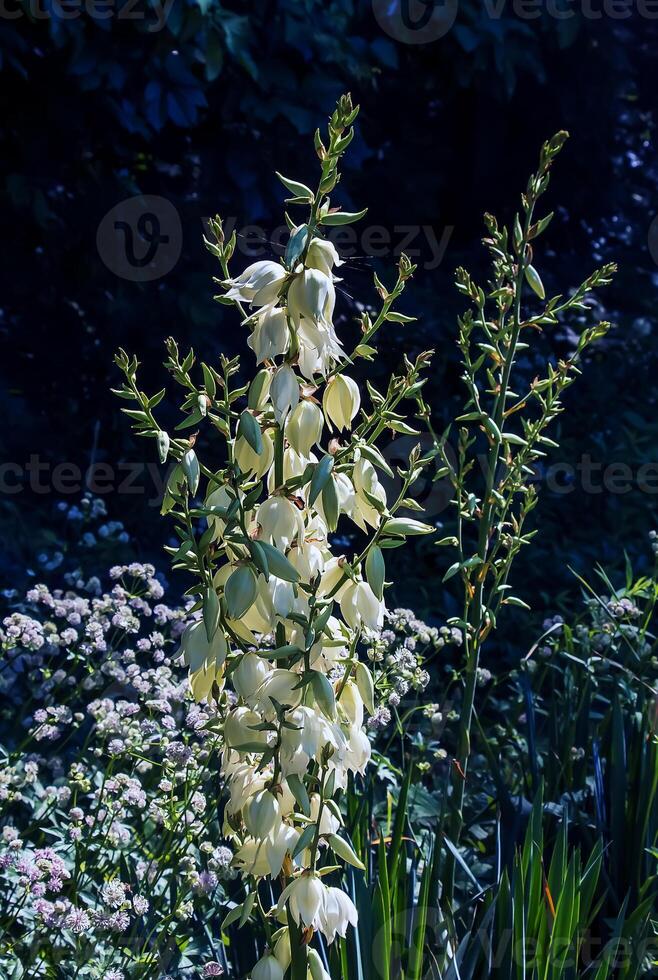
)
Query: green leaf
[
  {"x": 305, "y": 840},
  {"x": 210, "y": 612},
  {"x": 298, "y": 790},
  {"x": 321, "y": 475},
  {"x": 295, "y": 187},
  {"x": 278, "y": 564},
  {"x": 373, "y": 455},
  {"x": 249, "y": 429},
  {"x": 330, "y": 504},
  {"x": 240, "y": 591},
  {"x": 342, "y": 217},
  {"x": 324, "y": 693},
  {"x": 259, "y": 558},
  {"x": 376, "y": 571}
]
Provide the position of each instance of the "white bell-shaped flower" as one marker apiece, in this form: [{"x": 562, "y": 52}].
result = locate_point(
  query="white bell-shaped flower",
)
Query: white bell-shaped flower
[
  {"x": 261, "y": 814},
  {"x": 280, "y": 521},
  {"x": 334, "y": 581},
  {"x": 283, "y": 687},
  {"x": 361, "y": 607},
  {"x": 329, "y": 822},
  {"x": 352, "y": 703},
  {"x": 249, "y": 675},
  {"x": 258, "y": 285},
  {"x": 284, "y": 392},
  {"x": 271, "y": 335},
  {"x": 204, "y": 658},
  {"x": 240, "y": 728},
  {"x": 322, "y": 255},
  {"x": 336, "y": 914},
  {"x": 359, "y": 751},
  {"x": 366, "y": 485},
  {"x": 304, "y": 427},
  {"x": 280, "y": 842},
  {"x": 319, "y": 348},
  {"x": 251, "y": 859},
  {"x": 305, "y": 897},
  {"x": 341, "y": 401},
  {"x": 311, "y": 294}
]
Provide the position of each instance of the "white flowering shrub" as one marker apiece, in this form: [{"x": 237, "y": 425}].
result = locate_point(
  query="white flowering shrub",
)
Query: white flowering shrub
[{"x": 275, "y": 656}]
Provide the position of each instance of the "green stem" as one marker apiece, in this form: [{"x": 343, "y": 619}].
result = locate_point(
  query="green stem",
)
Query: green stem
[{"x": 473, "y": 637}]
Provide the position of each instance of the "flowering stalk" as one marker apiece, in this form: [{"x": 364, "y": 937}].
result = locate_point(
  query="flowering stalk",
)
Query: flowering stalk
[
  {"x": 490, "y": 519},
  {"x": 273, "y": 649}
]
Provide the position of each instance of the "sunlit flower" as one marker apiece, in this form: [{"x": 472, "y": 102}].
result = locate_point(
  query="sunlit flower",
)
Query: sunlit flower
[
  {"x": 341, "y": 401},
  {"x": 258, "y": 285}
]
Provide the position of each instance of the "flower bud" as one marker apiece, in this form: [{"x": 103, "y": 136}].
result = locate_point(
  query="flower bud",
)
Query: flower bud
[
  {"x": 304, "y": 427},
  {"x": 282, "y": 950},
  {"x": 259, "y": 390},
  {"x": 341, "y": 401}
]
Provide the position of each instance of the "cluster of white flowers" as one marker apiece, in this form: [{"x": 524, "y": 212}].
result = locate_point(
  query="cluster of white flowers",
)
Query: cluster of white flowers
[
  {"x": 290, "y": 722},
  {"x": 276, "y": 647}
]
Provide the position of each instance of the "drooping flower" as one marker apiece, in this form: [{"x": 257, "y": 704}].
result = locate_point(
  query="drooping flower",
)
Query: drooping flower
[
  {"x": 322, "y": 255},
  {"x": 341, "y": 401},
  {"x": 305, "y": 896},
  {"x": 284, "y": 392},
  {"x": 258, "y": 285},
  {"x": 304, "y": 426},
  {"x": 311, "y": 294},
  {"x": 270, "y": 336},
  {"x": 267, "y": 968}
]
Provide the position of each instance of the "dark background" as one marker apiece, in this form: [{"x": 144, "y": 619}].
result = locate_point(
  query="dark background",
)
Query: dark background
[{"x": 96, "y": 111}]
